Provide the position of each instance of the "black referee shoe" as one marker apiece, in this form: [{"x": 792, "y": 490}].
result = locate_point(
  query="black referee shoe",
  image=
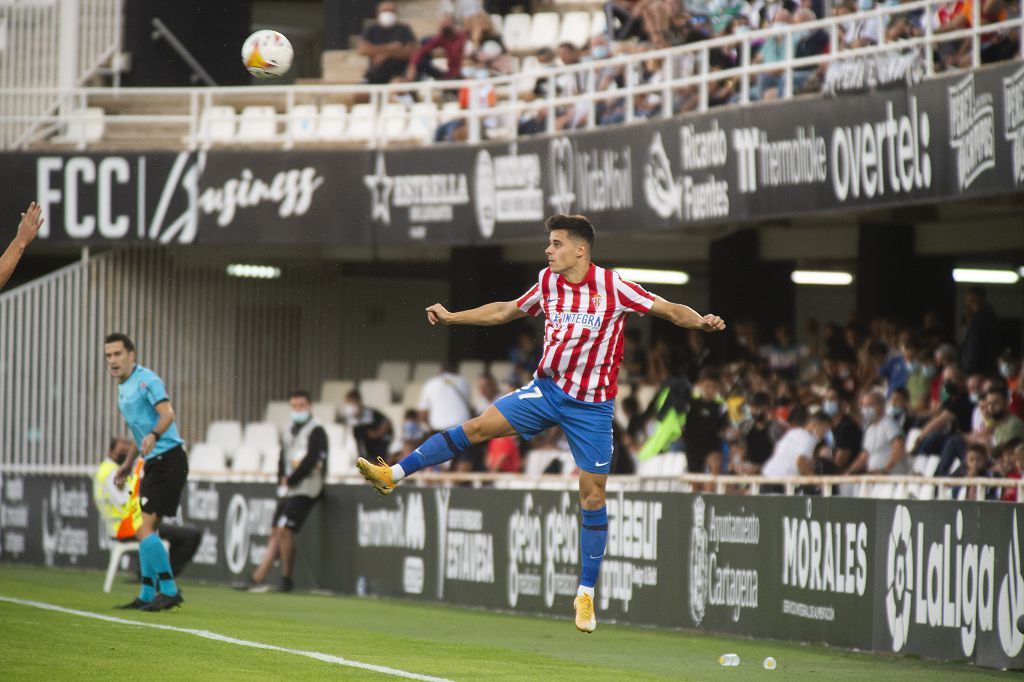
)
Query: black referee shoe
[
  {"x": 163, "y": 602},
  {"x": 286, "y": 585},
  {"x": 134, "y": 604}
]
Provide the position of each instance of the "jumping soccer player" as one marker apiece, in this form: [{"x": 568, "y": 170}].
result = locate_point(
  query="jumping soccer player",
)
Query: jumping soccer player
[
  {"x": 574, "y": 385},
  {"x": 147, "y": 411}
]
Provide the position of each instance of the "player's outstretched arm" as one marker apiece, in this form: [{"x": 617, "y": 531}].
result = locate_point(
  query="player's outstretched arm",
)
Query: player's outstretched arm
[
  {"x": 31, "y": 220},
  {"x": 686, "y": 317},
  {"x": 486, "y": 315}
]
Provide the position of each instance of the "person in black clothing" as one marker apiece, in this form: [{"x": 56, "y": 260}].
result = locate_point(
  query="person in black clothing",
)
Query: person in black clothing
[
  {"x": 953, "y": 418},
  {"x": 978, "y": 352},
  {"x": 706, "y": 421},
  {"x": 846, "y": 433},
  {"x": 301, "y": 472},
  {"x": 388, "y": 43},
  {"x": 759, "y": 433},
  {"x": 372, "y": 430}
]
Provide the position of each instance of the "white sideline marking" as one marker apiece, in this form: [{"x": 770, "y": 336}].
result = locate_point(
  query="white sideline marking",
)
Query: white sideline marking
[{"x": 206, "y": 634}]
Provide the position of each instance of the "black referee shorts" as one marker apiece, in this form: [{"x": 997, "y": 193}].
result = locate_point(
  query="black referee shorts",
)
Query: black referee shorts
[
  {"x": 292, "y": 511},
  {"x": 163, "y": 480}
]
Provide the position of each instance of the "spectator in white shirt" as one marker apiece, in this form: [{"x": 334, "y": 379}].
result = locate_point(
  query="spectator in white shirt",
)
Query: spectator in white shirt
[
  {"x": 444, "y": 402},
  {"x": 883, "y": 449},
  {"x": 794, "y": 453}
]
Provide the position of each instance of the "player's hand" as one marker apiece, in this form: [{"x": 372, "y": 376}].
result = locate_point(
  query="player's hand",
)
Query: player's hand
[
  {"x": 148, "y": 443},
  {"x": 712, "y": 323},
  {"x": 437, "y": 313},
  {"x": 31, "y": 221}
]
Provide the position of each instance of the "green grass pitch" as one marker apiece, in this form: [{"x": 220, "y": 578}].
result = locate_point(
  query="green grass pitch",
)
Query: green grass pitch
[{"x": 440, "y": 641}]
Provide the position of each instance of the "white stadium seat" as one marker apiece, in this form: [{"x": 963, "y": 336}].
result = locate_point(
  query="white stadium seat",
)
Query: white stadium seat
[
  {"x": 471, "y": 370},
  {"x": 411, "y": 397},
  {"x": 598, "y": 23},
  {"x": 498, "y": 22},
  {"x": 544, "y": 30},
  {"x": 278, "y": 413},
  {"x": 362, "y": 123},
  {"x": 265, "y": 437},
  {"x": 247, "y": 459},
  {"x": 257, "y": 124},
  {"x": 325, "y": 413},
  {"x": 393, "y": 122},
  {"x": 425, "y": 369},
  {"x": 83, "y": 126},
  {"x": 333, "y": 391},
  {"x": 395, "y": 373},
  {"x": 227, "y": 435},
  {"x": 516, "y": 33},
  {"x": 396, "y": 415},
  {"x": 501, "y": 370},
  {"x": 218, "y": 124},
  {"x": 331, "y": 123},
  {"x": 341, "y": 450},
  {"x": 422, "y": 122},
  {"x": 449, "y": 111},
  {"x": 302, "y": 121},
  {"x": 207, "y": 458},
  {"x": 375, "y": 393},
  {"x": 575, "y": 28}
]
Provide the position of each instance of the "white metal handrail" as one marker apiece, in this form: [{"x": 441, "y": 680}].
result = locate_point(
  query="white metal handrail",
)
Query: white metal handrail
[{"x": 696, "y": 56}]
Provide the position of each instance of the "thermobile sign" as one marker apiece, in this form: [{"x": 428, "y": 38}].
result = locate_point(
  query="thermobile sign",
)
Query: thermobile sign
[
  {"x": 942, "y": 580},
  {"x": 942, "y": 139}
]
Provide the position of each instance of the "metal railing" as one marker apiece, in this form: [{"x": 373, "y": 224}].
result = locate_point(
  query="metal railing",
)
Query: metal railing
[
  {"x": 686, "y": 72},
  {"x": 50, "y": 48}
]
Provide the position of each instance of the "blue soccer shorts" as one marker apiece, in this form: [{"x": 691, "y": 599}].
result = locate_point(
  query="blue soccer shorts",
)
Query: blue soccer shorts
[{"x": 541, "y": 404}]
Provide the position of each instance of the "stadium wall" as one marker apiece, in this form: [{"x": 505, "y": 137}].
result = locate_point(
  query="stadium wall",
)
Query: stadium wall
[
  {"x": 941, "y": 580},
  {"x": 224, "y": 346},
  {"x": 956, "y": 137}
]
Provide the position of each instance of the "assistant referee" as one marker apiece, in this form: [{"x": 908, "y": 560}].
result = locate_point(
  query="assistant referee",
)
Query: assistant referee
[{"x": 142, "y": 399}]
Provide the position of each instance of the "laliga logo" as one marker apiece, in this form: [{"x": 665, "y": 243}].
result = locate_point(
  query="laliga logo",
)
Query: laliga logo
[
  {"x": 236, "y": 534},
  {"x": 898, "y": 601},
  {"x": 51, "y": 518},
  {"x": 663, "y": 192},
  {"x": 1011, "y": 597},
  {"x": 562, "y": 182}
]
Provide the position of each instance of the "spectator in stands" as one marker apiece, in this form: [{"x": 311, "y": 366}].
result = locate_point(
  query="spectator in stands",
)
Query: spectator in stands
[
  {"x": 782, "y": 355},
  {"x": 921, "y": 374},
  {"x": 452, "y": 40},
  {"x": 301, "y": 471},
  {"x": 999, "y": 45},
  {"x": 883, "y": 451},
  {"x": 624, "y": 20},
  {"x": 860, "y": 31},
  {"x": 469, "y": 15},
  {"x": 372, "y": 430},
  {"x": 487, "y": 392},
  {"x": 1017, "y": 394},
  {"x": 524, "y": 356},
  {"x": 388, "y": 43},
  {"x": 706, "y": 421},
  {"x": 479, "y": 96},
  {"x": 978, "y": 354},
  {"x": 847, "y": 435},
  {"x": 898, "y": 409},
  {"x": 503, "y": 455},
  {"x": 771, "y": 84},
  {"x": 999, "y": 427},
  {"x": 634, "y": 355},
  {"x": 413, "y": 434},
  {"x": 898, "y": 367},
  {"x": 794, "y": 453},
  {"x": 952, "y": 418},
  {"x": 444, "y": 403},
  {"x": 948, "y": 18},
  {"x": 1004, "y": 458},
  {"x": 533, "y": 121},
  {"x": 808, "y": 43},
  {"x": 976, "y": 465},
  {"x": 121, "y": 511},
  {"x": 1009, "y": 368},
  {"x": 760, "y": 433}
]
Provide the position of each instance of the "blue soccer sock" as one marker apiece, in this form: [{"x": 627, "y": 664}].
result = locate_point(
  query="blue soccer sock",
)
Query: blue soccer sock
[
  {"x": 593, "y": 539},
  {"x": 437, "y": 449},
  {"x": 148, "y": 588},
  {"x": 154, "y": 552}
]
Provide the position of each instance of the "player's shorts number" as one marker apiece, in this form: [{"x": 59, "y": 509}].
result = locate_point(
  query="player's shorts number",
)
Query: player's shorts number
[{"x": 530, "y": 390}]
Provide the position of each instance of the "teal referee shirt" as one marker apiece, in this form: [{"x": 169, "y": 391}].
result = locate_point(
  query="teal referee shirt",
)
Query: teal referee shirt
[{"x": 137, "y": 399}]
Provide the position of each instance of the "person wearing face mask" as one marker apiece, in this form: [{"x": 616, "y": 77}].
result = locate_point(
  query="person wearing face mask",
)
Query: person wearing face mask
[
  {"x": 846, "y": 433},
  {"x": 301, "y": 472},
  {"x": 883, "y": 451},
  {"x": 372, "y": 430},
  {"x": 794, "y": 453},
  {"x": 388, "y": 43},
  {"x": 898, "y": 409},
  {"x": 706, "y": 421},
  {"x": 759, "y": 433},
  {"x": 452, "y": 40},
  {"x": 952, "y": 418},
  {"x": 998, "y": 427}
]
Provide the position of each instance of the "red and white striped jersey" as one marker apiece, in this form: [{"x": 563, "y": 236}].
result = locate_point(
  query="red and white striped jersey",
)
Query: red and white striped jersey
[{"x": 583, "y": 329}]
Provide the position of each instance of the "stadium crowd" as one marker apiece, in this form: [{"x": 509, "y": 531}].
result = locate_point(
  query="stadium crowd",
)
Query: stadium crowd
[
  {"x": 867, "y": 397},
  {"x": 469, "y": 46}
]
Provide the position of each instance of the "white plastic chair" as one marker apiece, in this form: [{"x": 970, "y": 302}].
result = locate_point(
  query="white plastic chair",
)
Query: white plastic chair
[
  {"x": 207, "y": 458},
  {"x": 257, "y": 124},
  {"x": 375, "y": 393},
  {"x": 544, "y": 30},
  {"x": 449, "y": 111},
  {"x": 247, "y": 459},
  {"x": 341, "y": 449},
  {"x": 471, "y": 370},
  {"x": 227, "y": 435},
  {"x": 516, "y": 32},
  {"x": 117, "y": 551},
  {"x": 278, "y": 413},
  {"x": 598, "y": 23},
  {"x": 575, "y": 28},
  {"x": 333, "y": 391},
  {"x": 498, "y": 22},
  {"x": 218, "y": 124},
  {"x": 395, "y": 373},
  {"x": 411, "y": 397},
  {"x": 501, "y": 370},
  {"x": 422, "y": 122},
  {"x": 325, "y": 413},
  {"x": 393, "y": 122},
  {"x": 425, "y": 369},
  {"x": 362, "y": 121},
  {"x": 331, "y": 123},
  {"x": 84, "y": 126},
  {"x": 302, "y": 122}
]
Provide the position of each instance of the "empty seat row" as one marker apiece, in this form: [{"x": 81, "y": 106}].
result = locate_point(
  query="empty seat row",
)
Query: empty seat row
[
  {"x": 330, "y": 122},
  {"x": 523, "y": 32},
  {"x": 256, "y": 449}
]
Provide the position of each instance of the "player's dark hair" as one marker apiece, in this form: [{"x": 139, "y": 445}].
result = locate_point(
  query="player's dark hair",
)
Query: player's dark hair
[
  {"x": 576, "y": 225},
  {"x": 300, "y": 393},
  {"x": 129, "y": 345}
]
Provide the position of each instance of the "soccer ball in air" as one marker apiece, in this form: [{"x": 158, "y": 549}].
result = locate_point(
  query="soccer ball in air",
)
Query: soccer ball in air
[{"x": 267, "y": 54}]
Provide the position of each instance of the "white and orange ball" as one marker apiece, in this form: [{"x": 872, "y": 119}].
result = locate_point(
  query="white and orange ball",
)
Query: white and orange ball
[{"x": 267, "y": 54}]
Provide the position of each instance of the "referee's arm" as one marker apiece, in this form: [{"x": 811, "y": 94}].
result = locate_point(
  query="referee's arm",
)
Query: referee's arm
[{"x": 166, "y": 417}]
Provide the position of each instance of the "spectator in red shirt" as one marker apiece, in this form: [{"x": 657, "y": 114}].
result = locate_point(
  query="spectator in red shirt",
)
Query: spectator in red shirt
[
  {"x": 449, "y": 37},
  {"x": 1008, "y": 458},
  {"x": 503, "y": 455}
]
